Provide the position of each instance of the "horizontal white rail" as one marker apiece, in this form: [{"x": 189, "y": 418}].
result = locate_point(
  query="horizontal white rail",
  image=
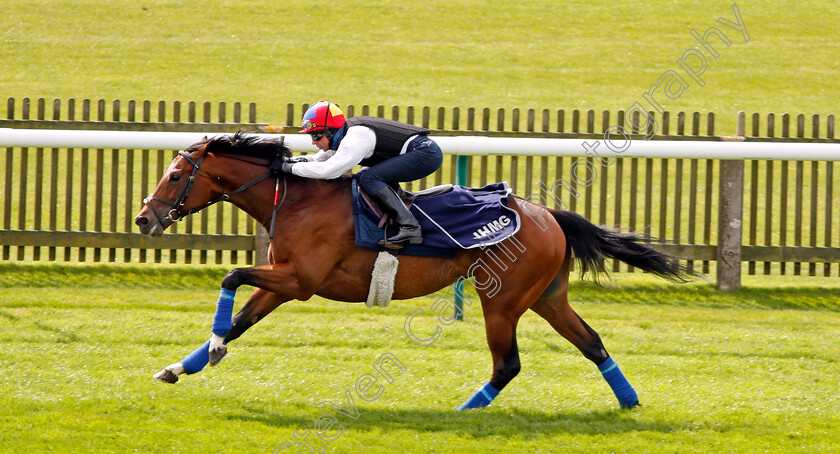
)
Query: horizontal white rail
[
  {"x": 149, "y": 140},
  {"x": 455, "y": 145}
]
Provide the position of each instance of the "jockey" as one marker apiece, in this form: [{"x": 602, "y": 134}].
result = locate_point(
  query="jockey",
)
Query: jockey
[{"x": 391, "y": 151}]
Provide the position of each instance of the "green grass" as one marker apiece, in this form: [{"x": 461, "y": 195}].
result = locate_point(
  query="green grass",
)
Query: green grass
[
  {"x": 750, "y": 371},
  {"x": 578, "y": 54}
]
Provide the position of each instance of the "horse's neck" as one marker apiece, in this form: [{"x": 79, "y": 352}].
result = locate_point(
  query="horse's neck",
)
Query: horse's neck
[{"x": 292, "y": 194}]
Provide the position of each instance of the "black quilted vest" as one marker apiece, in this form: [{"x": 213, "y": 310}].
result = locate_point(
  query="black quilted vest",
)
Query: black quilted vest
[{"x": 390, "y": 136}]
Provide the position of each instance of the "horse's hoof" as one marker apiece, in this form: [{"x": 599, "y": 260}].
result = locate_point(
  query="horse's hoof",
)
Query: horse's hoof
[
  {"x": 217, "y": 355},
  {"x": 166, "y": 376}
]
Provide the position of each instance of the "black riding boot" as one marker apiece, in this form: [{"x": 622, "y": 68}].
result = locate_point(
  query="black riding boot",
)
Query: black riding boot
[{"x": 409, "y": 227}]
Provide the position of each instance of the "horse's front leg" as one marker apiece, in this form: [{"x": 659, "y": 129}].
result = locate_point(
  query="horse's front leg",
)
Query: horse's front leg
[
  {"x": 260, "y": 304},
  {"x": 275, "y": 284}
]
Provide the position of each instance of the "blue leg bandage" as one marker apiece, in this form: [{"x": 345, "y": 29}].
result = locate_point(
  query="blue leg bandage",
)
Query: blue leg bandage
[
  {"x": 481, "y": 398},
  {"x": 196, "y": 360},
  {"x": 224, "y": 313},
  {"x": 625, "y": 393}
]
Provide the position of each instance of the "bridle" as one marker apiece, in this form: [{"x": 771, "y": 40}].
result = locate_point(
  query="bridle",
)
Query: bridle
[{"x": 175, "y": 214}]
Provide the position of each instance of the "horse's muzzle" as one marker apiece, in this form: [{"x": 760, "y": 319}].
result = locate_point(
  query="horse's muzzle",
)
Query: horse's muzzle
[{"x": 148, "y": 226}]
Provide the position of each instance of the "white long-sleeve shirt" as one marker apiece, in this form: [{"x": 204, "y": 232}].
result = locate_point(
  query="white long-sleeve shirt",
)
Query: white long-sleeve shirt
[{"x": 357, "y": 144}]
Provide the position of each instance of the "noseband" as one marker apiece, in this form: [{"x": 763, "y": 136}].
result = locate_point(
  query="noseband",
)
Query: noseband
[{"x": 175, "y": 214}]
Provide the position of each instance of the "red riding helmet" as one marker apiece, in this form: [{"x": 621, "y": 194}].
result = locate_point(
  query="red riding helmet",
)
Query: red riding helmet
[{"x": 321, "y": 116}]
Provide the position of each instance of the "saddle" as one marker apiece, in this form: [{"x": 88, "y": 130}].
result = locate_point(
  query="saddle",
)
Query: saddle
[
  {"x": 408, "y": 198},
  {"x": 452, "y": 217}
]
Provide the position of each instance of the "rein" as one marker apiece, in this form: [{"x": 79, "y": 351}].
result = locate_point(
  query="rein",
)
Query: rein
[{"x": 175, "y": 214}]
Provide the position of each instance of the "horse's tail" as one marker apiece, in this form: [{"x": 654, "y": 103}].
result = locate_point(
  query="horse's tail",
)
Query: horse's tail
[{"x": 591, "y": 244}]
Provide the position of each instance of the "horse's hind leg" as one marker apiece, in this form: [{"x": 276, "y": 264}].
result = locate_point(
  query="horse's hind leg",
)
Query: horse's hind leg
[
  {"x": 554, "y": 307},
  {"x": 501, "y": 316},
  {"x": 258, "y": 306},
  {"x": 501, "y": 338}
]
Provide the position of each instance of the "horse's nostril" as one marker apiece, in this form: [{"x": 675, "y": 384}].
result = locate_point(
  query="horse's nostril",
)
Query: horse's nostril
[{"x": 141, "y": 220}]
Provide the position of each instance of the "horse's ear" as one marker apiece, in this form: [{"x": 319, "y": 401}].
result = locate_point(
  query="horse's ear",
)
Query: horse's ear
[{"x": 203, "y": 149}]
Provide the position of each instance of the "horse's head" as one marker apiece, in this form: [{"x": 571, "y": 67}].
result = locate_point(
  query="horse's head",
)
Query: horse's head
[
  {"x": 186, "y": 185},
  {"x": 197, "y": 176}
]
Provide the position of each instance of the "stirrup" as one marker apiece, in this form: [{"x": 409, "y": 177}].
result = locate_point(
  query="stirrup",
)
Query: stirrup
[{"x": 398, "y": 242}]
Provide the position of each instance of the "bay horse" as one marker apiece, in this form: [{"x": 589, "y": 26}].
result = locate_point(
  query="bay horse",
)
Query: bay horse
[{"x": 314, "y": 254}]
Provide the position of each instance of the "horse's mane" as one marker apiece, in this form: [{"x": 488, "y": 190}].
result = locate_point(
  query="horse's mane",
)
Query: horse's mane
[{"x": 245, "y": 144}]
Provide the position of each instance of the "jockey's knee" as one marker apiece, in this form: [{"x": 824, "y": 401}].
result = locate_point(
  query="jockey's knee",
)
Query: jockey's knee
[{"x": 370, "y": 182}]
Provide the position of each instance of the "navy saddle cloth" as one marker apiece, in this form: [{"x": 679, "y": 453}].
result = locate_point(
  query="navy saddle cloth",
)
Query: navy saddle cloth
[{"x": 462, "y": 218}]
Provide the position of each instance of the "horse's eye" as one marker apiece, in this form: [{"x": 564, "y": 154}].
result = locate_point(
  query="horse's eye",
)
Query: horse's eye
[{"x": 174, "y": 177}]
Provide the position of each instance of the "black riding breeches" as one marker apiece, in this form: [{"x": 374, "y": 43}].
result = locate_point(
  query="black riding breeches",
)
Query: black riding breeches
[{"x": 421, "y": 158}]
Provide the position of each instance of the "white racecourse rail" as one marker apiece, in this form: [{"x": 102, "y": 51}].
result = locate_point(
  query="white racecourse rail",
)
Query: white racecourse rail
[{"x": 455, "y": 145}]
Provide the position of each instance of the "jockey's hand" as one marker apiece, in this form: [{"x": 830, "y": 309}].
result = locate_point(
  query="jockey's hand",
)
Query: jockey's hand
[
  {"x": 294, "y": 159},
  {"x": 287, "y": 166}
]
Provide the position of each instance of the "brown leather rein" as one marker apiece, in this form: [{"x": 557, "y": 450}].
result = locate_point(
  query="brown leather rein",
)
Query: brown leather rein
[{"x": 175, "y": 214}]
